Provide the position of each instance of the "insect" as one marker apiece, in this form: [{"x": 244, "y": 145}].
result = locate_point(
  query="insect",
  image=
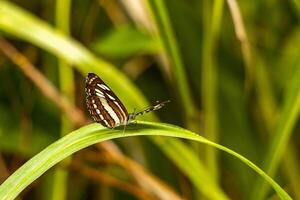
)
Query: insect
[{"x": 106, "y": 108}]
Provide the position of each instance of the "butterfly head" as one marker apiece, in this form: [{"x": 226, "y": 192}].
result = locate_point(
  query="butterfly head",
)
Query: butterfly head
[{"x": 131, "y": 117}]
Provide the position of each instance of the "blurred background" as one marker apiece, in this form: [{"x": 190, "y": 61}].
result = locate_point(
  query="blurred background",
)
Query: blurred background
[{"x": 230, "y": 68}]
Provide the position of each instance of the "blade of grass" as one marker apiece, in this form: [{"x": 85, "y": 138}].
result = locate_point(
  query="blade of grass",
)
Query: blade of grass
[
  {"x": 241, "y": 35},
  {"x": 12, "y": 21},
  {"x": 234, "y": 119},
  {"x": 268, "y": 107},
  {"x": 296, "y": 6},
  {"x": 212, "y": 13},
  {"x": 291, "y": 169},
  {"x": 279, "y": 142},
  {"x": 199, "y": 175},
  {"x": 166, "y": 34},
  {"x": 290, "y": 57},
  {"x": 58, "y": 189},
  {"x": 94, "y": 133}
]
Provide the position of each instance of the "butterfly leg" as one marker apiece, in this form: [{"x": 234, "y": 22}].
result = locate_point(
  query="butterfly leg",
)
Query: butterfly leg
[{"x": 124, "y": 130}]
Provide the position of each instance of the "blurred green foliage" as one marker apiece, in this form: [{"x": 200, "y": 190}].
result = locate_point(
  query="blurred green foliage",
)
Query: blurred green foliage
[
  {"x": 125, "y": 42},
  {"x": 241, "y": 92}
]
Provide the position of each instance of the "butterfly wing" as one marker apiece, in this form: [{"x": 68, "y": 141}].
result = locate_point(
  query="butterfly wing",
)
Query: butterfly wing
[{"x": 102, "y": 103}]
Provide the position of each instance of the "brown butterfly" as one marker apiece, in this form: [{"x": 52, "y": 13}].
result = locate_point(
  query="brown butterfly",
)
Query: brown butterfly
[{"x": 106, "y": 108}]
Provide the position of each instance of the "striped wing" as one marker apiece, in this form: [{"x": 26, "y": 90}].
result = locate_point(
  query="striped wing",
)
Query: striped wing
[{"x": 103, "y": 105}]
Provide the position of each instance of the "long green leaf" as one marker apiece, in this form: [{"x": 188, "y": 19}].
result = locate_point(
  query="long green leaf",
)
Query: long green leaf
[{"x": 94, "y": 133}]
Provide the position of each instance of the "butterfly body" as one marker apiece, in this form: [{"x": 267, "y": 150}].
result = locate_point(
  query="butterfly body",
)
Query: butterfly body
[{"x": 105, "y": 107}]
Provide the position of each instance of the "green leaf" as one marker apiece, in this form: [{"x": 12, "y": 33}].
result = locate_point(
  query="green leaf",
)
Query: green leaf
[
  {"x": 94, "y": 133},
  {"x": 126, "y": 41}
]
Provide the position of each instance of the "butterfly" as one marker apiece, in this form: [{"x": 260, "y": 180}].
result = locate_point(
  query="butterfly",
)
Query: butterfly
[{"x": 106, "y": 108}]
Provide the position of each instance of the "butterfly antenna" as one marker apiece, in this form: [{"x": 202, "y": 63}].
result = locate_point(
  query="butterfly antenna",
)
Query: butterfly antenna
[{"x": 156, "y": 106}]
